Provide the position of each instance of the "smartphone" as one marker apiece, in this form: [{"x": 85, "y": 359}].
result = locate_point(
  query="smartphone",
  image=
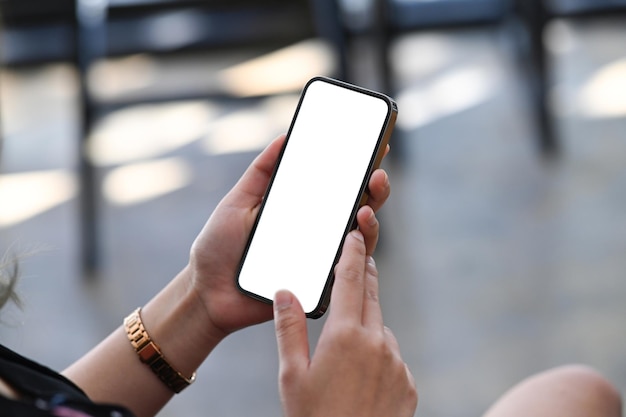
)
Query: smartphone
[{"x": 337, "y": 138}]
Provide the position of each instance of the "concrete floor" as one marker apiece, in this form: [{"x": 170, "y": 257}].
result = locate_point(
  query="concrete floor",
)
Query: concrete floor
[{"x": 494, "y": 262}]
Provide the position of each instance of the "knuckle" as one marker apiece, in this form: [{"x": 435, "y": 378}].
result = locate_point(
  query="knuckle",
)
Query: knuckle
[
  {"x": 371, "y": 279},
  {"x": 288, "y": 375},
  {"x": 350, "y": 273},
  {"x": 347, "y": 335},
  {"x": 390, "y": 337},
  {"x": 372, "y": 295},
  {"x": 375, "y": 344}
]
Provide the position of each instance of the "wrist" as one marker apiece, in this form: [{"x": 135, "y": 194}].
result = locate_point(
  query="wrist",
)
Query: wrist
[
  {"x": 179, "y": 323},
  {"x": 150, "y": 354}
]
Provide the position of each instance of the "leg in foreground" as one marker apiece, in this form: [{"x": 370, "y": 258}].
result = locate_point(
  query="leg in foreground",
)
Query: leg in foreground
[{"x": 567, "y": 391}]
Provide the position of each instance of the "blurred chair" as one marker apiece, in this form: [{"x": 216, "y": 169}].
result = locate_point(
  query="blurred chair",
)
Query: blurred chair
[
  {"x": 25, "y": 23},
  {"x": 389, "y": 19},
  {"x": 113, "y": 28},
  {"x": 570, "y": 8},
  {"x": 392, "y": 18},
  {"x": 536, "y": 15},
  {"x": 85, "y": 31},
  {"x": 396, "y": 17}
]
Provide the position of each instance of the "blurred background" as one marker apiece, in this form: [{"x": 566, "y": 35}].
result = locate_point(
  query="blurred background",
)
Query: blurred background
[{"x": 503, "y": 249}]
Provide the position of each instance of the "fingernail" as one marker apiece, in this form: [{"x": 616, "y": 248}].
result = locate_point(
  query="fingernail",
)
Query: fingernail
[
  {"x": 371, "y": 220},
  {"x": 371, "y": 261},
  {"x": 282, "y": 300},
  {"x": 357, "y": 235}
]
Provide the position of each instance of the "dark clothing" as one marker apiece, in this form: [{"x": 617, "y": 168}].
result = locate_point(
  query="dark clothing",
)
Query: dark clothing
[{"x": 44, "y": 392}]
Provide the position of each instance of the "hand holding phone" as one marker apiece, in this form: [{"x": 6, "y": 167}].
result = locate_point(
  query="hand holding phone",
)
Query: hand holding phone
[{"x": 337, "y": 138}]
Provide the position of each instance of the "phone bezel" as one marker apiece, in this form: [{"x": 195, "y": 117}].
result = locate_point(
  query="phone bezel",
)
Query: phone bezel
[{"x": 375, "y": 160}]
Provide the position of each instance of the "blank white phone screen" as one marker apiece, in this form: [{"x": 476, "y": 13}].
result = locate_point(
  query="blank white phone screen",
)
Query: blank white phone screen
[{"x": 315, "y": 189}]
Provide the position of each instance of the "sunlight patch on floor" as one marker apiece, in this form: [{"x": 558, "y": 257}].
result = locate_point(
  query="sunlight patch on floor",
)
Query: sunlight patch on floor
[
  {"x": 27, "y": 194},
  {"x": 148, "y": 131},
  {"x": 140, "y": 182},
  {"x": 604, "y": 94},
  {"x": 411, "y": 65},
  {"x": 285, "y": 70},
  {"x": 250, "y": 129},
  {"x": 452, "y": 92}
]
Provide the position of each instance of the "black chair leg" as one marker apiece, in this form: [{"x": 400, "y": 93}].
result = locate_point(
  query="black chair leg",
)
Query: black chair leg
[
  {"x": 383, "y": 32},
  {"x": 89, "y": 44},
  {"x": 535, "y": 17},
  {"x": 328, "y": 24}
]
